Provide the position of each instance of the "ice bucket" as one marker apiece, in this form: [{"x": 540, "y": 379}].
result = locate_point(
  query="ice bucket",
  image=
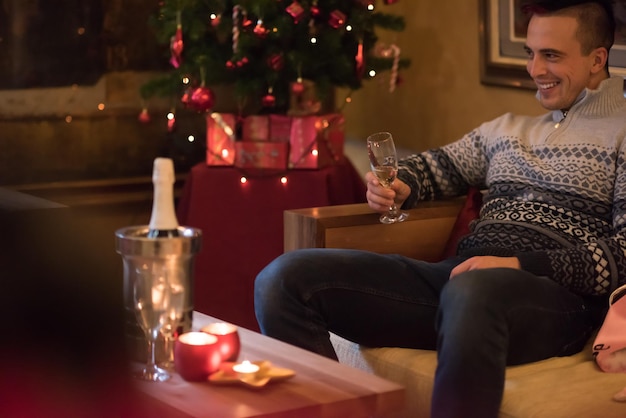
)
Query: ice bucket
[{"x": 143, "y": 255}]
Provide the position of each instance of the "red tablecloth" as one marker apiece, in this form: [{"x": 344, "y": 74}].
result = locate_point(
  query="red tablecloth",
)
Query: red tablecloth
[{"x": 242, "y": 227}]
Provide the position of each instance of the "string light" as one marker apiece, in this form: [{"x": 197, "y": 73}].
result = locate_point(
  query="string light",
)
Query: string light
[
  {"x": 101, "y": 106},
  {"x": 191, "y": 138},
  {"x": 372, "y": 73},
  {"x": 314, "y": 40},
  {"x": 243, "y": 180},
  {"x": 283, "y": 180}
]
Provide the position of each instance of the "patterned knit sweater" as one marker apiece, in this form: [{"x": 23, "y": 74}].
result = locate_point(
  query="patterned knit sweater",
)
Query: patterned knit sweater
[{"x": 555, "y": 189}]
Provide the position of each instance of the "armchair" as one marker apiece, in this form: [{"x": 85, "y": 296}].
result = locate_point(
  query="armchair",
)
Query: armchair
[{"x": 566, "y": 387}]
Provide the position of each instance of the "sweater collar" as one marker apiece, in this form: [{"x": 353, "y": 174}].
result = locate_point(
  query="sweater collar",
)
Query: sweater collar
[{"x": 608, "y": 97}]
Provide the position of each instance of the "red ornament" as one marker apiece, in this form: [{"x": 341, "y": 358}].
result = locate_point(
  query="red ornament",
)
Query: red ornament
[
  {"x": 259, "y": 30},
  {"x": 171, "y": 122},
  {"x": 337, "y": 19},
  {"x": 298, "y": 86},
  {"x": 360, "y": 61},
  {"x": 246, "y": 23},
  {"x": 176, "y": 47},
  {"x": 144, "y": 116},
  {"x": 276, "y": 62},
  {"x": 315, "y": 10},
  {"x": 201, "y": 99},
  {"x": 186, "y": 97},
  {"x": 269, "y": 100},
  {"x": 296, "y": 11},
  {"x": 230, "y": 64},
  {"x": 243, "y": 61}
]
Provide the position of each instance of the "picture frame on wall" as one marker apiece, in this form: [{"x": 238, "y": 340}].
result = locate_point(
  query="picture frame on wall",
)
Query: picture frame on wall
[{"x": 502, "y": 28}]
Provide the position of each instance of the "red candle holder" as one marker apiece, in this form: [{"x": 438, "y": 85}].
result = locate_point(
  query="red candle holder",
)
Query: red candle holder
[
  {"x": 196, "y": 355},
  {"x": 227, "y": 339}
]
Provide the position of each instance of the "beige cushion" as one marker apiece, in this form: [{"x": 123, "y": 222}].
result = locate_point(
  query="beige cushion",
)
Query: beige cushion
[{"x": 560, "y": 387}]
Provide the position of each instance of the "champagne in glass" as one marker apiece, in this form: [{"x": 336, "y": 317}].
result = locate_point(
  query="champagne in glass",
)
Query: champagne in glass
[{"x": 384, "y": 164}]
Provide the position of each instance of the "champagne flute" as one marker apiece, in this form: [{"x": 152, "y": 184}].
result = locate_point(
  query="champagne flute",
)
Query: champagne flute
[
  {"x": 151, "y": 297},
  {"x": 384, "y": 164},
  {"x": 173, "y": 321}
]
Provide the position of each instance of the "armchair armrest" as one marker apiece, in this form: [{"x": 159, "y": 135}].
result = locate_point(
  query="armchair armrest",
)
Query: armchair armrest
[{"x": 423, "y": 235}]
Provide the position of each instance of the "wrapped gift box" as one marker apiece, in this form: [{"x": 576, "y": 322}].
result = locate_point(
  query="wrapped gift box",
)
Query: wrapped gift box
[
  {"x": 256, "y": 128},
  {"x": 316, "y": 141},
  {"x": 220, "y": 139},
  {"x": 280, "y": 128},
  {"x": 261, "y": 154}
]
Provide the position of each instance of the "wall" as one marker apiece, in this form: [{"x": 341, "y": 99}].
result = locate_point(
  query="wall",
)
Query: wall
[{"x": 440, "y": 97}]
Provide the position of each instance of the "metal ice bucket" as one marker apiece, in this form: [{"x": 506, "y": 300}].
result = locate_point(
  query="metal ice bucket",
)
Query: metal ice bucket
[{"x": 143, "y": 255}]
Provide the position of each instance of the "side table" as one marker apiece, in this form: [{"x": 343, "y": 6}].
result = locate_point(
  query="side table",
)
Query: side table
[{"x": 321, "y": 388}]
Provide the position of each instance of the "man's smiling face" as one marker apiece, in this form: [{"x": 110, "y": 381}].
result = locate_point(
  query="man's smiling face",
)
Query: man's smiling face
[{"x": 556, "y": 62}]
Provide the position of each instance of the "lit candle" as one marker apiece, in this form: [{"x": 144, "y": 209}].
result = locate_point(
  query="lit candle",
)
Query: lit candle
[
  {"x": 227, "y": 339},
  {"x": 245, "y": 369},
  {"x": 196, "y": 355}
]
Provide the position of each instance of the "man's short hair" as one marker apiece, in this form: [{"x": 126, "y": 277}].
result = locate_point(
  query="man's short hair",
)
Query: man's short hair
[{"x": 596, "y": 19}]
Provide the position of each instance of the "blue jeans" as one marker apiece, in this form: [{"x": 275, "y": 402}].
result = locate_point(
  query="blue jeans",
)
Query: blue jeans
[{"x": 479, "y": 322}]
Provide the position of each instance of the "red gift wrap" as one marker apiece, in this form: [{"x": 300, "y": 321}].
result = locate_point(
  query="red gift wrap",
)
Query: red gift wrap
[
  {"x": 220, "y": 139},
  {"x": 256, "y": 128},
  {"x": 316, "y": 141},
  {"x": 250, "y": 154},
  {"x": 280, "y": 128},
  {"x": 275, "y": 141}
]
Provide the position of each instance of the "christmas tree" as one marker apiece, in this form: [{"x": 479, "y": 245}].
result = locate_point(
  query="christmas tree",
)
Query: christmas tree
[{"x": 272, "y": 52}]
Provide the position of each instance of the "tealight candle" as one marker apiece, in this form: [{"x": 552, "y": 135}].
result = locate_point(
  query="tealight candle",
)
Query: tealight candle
[
  {"x": 245, "y": 369},
  {"x": 196, "y": 355},
  {"x": 227, "y": 338}
]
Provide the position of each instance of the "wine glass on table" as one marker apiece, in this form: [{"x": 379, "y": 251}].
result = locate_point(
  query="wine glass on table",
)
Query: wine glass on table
[
  {"x": 173, "y": 321},
  {"x": 151, "y": 295},
  {"x": 384, "y": 164}
]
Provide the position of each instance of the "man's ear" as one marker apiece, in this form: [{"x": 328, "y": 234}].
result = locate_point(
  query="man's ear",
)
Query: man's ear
[{"x": 600, "y": 56}]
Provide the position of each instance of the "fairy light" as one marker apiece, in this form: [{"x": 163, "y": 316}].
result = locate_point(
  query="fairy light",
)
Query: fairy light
[
  {"x": 243, "y": 180},
  {"x": 170, "y": 116},
  {"x": 68, "y": 118},
  {"x": 186, "y": 80},
  {"x": 372, "y": 73},
  {"x": 370, "y": 7},
  {"x": 225, "y": 153},
  {"x": 81, "y": 31},
  {"x": 283, "y": 180},
  {"x": 313, "y": 40},
  {"x": 100, "y": 106},
  {"x": 348, "y": 28},
  {"x": 191, "y": 138},
  {"x": 314, "y": 152}
]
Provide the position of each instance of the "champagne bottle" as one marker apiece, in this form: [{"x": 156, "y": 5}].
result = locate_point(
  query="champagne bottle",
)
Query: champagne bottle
[{"x": 163, "y": 222}]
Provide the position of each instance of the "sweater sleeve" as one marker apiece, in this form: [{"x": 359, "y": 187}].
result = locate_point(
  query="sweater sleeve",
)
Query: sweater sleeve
[{"x": 444, "y": 172}]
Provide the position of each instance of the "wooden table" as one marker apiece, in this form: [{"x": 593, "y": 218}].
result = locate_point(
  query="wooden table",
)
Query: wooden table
[{"x": 321, "y": 388}]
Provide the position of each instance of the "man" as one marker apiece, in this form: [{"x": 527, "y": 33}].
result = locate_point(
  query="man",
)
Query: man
[{"x": 530, "y": 279}]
